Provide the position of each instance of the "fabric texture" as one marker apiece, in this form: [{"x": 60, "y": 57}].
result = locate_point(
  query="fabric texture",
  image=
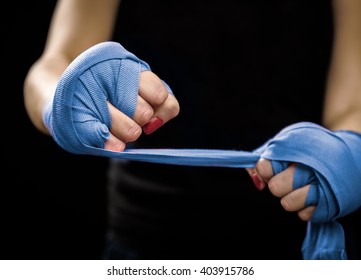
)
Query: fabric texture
[
  {"x": 79, "y": 121},
  {"x": 331, "y": 163}
]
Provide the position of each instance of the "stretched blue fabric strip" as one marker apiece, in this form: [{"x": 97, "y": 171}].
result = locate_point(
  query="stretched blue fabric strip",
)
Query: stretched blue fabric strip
[
  {"x": 79, "y": 121},
  {"x": 107, "y": 71},
  {"x": 190, "y": 157}
]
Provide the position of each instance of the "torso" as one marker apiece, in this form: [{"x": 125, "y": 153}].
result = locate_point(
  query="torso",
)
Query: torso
[{"x": 241, "y": 70}]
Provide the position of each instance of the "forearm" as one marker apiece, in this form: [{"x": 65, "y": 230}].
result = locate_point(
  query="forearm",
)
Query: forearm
[
  {"x": 75, "y": 26},
  {"x": 40, "y": 85},
  {"x": 343, "y": 93}
]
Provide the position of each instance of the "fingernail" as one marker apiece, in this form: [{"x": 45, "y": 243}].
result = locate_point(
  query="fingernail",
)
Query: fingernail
[
  {"x": 259, "y": 184},
  {"x": 152, "y": 125}
]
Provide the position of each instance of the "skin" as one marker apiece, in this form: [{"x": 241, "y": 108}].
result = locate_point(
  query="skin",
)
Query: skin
[
  {"x": 342, "y": 105},
  {"x": 95, "y": 19}
]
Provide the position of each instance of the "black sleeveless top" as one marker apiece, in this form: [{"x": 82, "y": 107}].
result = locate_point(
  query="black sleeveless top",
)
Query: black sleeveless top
[{"x": 241, "y": 71}]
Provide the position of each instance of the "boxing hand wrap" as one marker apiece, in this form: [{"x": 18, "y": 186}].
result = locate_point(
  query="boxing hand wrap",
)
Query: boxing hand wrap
[
  {"x": 78, "y": 116},
  {"x": 79, "y": 121},
  {"x": 331, "y": 163}
]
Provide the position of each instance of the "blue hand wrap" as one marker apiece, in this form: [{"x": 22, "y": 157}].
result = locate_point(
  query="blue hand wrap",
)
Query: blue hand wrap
[
  {"x": 79, "y": 117},
  {"x": 79, "y": 121},
  {"x": 331, "y": 163}
]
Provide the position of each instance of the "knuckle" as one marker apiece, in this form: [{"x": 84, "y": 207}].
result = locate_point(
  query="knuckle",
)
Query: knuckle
[
  {"x": 172, "y": 109},
  {"x": 304, "y": 216},
  {"x": 160, "y": 94},
  {"x": 133, "y": 133},
  {"x": 274, "y": 188},
  {"x": 264, "y": 169},
  {"x": 286, "y": 204},
  {"x": 146, "y": 116}
]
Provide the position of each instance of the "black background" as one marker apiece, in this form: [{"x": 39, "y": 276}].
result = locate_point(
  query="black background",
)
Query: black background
[
  {"x": 52, "y": 206},
  {"x": 52, "y": 202}
]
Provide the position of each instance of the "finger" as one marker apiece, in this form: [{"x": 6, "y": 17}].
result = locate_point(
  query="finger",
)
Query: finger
[
  {"x": 114, "y": 144},
  {"x": 306, "y": 213},
  {"x": 123, "y": 127},
  {"x": 143, "y": 112},
  {"x": 152, "y": 88},
  {"x": 264, "y": 169},
  {"x": 257, "y": 181},
  {"x": 295, "y": 200},
  {"x": 168, "y": 110},
  {"x": 282, "y": 183}
]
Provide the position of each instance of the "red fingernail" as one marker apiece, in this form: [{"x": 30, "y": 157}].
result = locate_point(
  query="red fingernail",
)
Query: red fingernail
[
  {"x": 152, "y": 125},
  {"x": 257, "y": 181}
]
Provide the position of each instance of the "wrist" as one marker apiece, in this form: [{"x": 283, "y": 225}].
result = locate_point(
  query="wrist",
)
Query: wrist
[{"x": 353, "y": 141}]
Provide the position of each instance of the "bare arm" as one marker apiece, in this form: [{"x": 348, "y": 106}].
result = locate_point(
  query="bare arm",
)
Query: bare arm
[
  {"x": 76, "y": 25},
  {"x": 343, "y": 94},
  {"x": 342, "y": 107}
]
